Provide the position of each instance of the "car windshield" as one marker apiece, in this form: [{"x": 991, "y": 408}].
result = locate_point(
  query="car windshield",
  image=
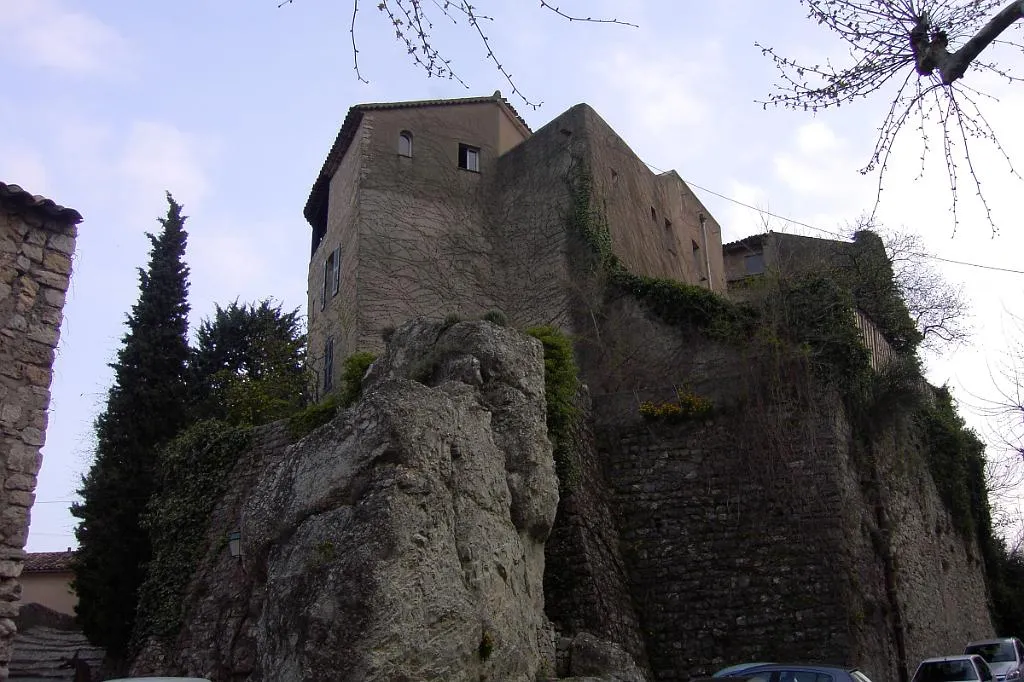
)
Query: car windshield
[
  {"x": 994, "y": 652},
  {"x": 946, "y": 671}
]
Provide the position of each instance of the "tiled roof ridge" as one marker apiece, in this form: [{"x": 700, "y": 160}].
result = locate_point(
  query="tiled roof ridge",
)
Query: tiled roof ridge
[
  {"x": 14, "y": 196},
  {"x": 48, "y": 561}
]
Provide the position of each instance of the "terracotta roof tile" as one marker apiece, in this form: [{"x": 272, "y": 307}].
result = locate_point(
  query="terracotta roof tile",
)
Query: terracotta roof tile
[
  {"x": 21, "y": 201},
  {"x": 316, "y": 204},
  {"x": 38, "y": 562}
]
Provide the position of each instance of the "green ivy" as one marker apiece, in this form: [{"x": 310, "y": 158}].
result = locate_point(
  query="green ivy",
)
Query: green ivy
[
  {"x": 561, "y": 384},
  {"x": 192, "y": 476},
  {"x": 313, "y": 417},
  {"x": 352, "y": 373}
]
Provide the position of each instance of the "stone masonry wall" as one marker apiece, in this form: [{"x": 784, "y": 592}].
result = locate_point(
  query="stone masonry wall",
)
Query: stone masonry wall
[
  {"x": 731, "y": 546},
  {"x": 37, "y": 240}
]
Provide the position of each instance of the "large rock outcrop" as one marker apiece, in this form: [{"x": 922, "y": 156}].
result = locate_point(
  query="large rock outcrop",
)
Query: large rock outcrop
[{"x": 405, "y": 540}]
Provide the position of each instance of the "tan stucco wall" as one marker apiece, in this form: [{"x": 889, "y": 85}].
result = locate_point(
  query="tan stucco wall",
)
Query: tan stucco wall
[
  {"x": 422, "y": 236},
  {"x": 411, "y": 228},
  {"x": 338, "y": 317},
  {"x": 629, "y": 191},
  {"x": 52, "y": 590}
]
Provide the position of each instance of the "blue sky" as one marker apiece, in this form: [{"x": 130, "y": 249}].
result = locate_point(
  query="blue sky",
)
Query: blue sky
[{"x": 232, "y": 106}]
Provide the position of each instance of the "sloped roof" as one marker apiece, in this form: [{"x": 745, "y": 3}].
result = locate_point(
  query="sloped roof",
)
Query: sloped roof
[
  {"x": 13, "y": 197},
  {"x": 318, "y": 195},
  {"x": 41, "y": 562}
]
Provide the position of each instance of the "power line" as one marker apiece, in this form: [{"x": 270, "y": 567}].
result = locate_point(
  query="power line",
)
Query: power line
[{"x": 829, "y": 232}]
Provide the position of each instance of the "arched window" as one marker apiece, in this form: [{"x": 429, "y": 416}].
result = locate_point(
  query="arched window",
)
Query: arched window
[{"x": 405, "y": 143}]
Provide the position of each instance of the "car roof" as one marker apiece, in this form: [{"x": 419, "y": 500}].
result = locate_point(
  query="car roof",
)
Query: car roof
[
  {"x": 996, "y": 640},
  {"x": 955, "y": 657},
  {"x": 796, "y": 666}
]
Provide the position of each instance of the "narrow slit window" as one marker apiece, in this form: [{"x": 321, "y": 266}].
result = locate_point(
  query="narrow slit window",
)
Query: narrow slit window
[
  {"x": 469, "y": 158},
  {"x": 329, "y": 364},
  {"x": 405, "y": 143},
  {"x": 654, "y": 216},
  {"x": 336, "y": 272},
  {"x": 668, "y": 224}
]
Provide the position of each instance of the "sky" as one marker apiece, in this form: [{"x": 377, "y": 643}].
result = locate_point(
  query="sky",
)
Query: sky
[{"x": 233, "y": 105}]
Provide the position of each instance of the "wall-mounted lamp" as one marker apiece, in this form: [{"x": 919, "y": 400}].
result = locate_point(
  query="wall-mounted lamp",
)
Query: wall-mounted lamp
[{"x": 235, "y": 543}]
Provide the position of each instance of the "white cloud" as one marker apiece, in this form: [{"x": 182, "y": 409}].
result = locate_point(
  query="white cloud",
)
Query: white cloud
[
  {"x": 660, "y": 91},
  {"x": 46, "y": 33},
  {"x": 25, "y": 168},
  {"x": 158, "y": 157}
]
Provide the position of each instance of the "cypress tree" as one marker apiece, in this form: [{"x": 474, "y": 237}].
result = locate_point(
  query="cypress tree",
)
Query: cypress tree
[{"x": 146, "y": 406}]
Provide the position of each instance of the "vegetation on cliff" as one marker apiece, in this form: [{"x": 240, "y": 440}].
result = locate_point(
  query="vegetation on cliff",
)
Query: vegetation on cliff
[{"x": 561, "y": 386}]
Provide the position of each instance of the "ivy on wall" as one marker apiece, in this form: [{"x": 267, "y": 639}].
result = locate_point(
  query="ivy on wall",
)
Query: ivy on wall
[
  {"x": 193, "y": 475},
  {"x": 561, "y": 385}
]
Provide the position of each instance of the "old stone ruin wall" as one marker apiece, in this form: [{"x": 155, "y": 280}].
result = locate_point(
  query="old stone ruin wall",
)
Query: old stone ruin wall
[
  {"x": 37, "y": 240},
  {"x": 762, "y": 532}
]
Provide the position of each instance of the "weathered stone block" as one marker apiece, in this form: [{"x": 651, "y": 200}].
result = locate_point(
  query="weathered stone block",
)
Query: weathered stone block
[
  {"x": 10, "y": 589},
  {"x": 53, "y": 280},
  {"x": 44, "y": 333},
  {"x": 10, "y": 413},
  {"x": 10, "y": 568},
  {"x": 17, "y": 323},
  {"x": 32, "y": 252},
  {"x": 33, "y": 436},
  {"x": 20, "y": 482},
  {"x": 62, "y": 242},
  {"x": 24, "y": 459},
  {"x": 54, "y": 297},
  {"x": 27, "y": 291},
  {"x": 35, "y": 353},
  {"x": 57, "y": 262},
  {"x": 21, "y": 498}
]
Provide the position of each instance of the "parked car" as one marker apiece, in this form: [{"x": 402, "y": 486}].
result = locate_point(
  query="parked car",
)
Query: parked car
[
  {"x": 160, "y": 679},
  {"x": 792, "y": 672},
  {"x": 964, "y": 668},
  {"x": 1005, "y": 656}
]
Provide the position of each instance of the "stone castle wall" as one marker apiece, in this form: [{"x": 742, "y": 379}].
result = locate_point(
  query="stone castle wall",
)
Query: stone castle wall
[{"x": 37, "y": 240}]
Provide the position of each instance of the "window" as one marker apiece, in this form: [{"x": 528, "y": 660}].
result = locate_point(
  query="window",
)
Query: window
[
  {"x": 336, "y": 274},
  {"x": 405, "y": 143},
  {"x": 332, "y": 276},
  {"x": 754, "y": 264},
  {"x": 654, "y": 216},
  {"x": 329, "y": 364},
  {"x": 469, "y": 158},
  {"x": 668, "y": 224}
]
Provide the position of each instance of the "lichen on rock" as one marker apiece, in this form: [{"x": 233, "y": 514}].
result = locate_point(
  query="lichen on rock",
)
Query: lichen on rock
[{"x": 405, "y": 538}]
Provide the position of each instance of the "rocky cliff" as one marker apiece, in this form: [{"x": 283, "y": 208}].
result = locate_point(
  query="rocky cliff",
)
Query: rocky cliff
[{"x": 404, "y": 540}]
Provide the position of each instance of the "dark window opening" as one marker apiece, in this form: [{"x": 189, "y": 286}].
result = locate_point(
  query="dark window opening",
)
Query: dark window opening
[
  {"x": 405, "y": 143},
  {"x": 469, "y": 158},
  {"x": 332, "y": 276},
  {"x": 329, "y": 364},
  {"x": 668, "y": 224},
  {"x": 654, "y": 216},
  {"x": 754, "y": 264}
]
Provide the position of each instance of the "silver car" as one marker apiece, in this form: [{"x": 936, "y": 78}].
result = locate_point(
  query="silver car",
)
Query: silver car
[
  {"x": 965, "y": 668},
  {"x": 1004, "y": 655}
]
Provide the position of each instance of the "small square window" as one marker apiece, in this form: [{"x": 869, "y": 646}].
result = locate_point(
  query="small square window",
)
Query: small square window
[{"x": 469, "y": 158}]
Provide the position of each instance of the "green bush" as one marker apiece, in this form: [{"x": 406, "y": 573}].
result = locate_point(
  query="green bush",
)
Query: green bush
[
  {"x": 496, "y": 317},
  {"x": 313, "y": 417},
  {"x": 352, "y": 373}
]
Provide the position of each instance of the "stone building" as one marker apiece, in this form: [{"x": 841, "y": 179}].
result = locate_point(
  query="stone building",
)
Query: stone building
[
  {"x": 455, "y": 206},
  {"x": 37, "y": 240}
]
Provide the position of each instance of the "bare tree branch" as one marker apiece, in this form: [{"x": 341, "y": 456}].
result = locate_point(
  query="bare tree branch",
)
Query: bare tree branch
[
  {"x": 413, "y": 24},
  {"x": 888, "y": 37}
]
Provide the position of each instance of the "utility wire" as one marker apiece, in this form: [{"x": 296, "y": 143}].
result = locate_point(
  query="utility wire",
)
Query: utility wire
[{"x": 829, "y": 232}]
